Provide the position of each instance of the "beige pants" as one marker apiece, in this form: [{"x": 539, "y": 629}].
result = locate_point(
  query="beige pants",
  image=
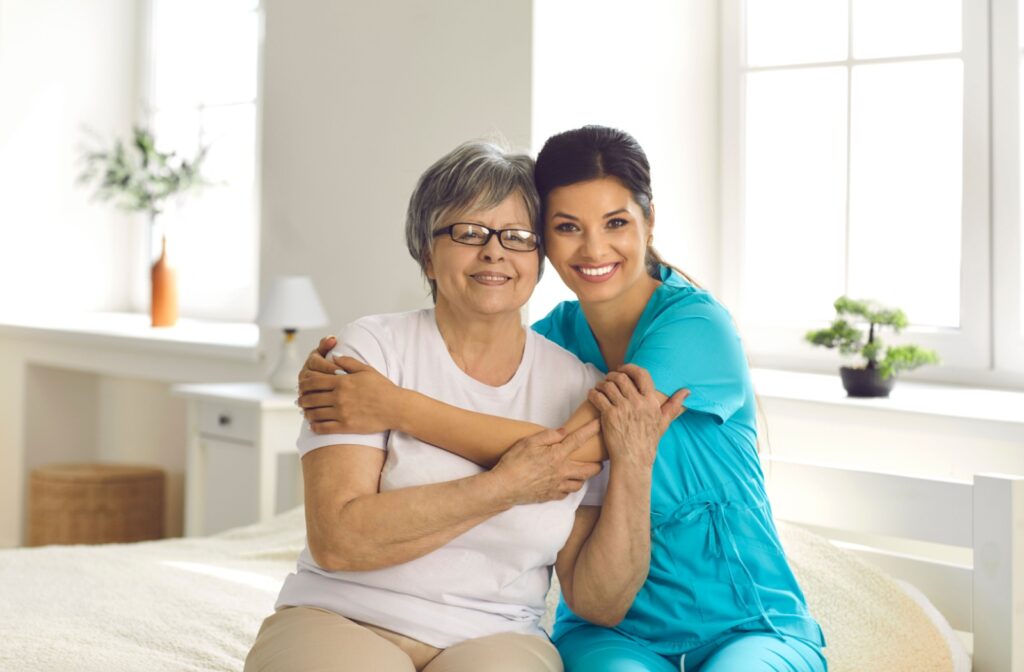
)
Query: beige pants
[{"x": 306, "y": 639}]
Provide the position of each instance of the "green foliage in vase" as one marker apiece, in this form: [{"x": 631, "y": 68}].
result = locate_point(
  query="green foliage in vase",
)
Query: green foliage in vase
[
  {"x": 849, "y": 338},
  {"x": 139, "y": 177}
]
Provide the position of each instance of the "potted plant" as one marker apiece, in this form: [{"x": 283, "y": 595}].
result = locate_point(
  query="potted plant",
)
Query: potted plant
[
  {"x": 877, "y": 377},
  {"x": 142, "y": 179}
]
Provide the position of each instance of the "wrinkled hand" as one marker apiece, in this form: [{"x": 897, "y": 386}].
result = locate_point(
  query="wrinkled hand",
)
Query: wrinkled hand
[
  {"x": 539, "y": 469},
  {"x": 361, "y": 402},
  {"x": 633, "y": 418}
]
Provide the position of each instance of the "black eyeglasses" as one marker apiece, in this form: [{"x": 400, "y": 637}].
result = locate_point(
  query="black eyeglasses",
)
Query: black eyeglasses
[{"x": 516, "y": 240}]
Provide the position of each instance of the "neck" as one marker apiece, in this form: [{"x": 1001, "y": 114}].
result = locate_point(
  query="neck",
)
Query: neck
[
  {"x": 487, "y": 347},
  {"x": 614, "y": 321}
]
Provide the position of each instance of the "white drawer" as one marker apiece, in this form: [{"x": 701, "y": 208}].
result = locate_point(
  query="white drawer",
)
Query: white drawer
[{"x": 229, "y": 421}]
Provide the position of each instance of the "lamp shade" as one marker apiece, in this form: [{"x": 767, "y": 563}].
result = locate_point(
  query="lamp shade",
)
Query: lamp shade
[{"x": 291, "y": 302}]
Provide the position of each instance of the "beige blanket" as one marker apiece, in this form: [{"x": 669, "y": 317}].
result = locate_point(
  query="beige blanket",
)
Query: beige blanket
[{"x": 196, "y": 604}]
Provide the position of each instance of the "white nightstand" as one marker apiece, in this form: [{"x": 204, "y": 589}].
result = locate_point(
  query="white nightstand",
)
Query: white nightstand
[{"x": 242, "y": 466}]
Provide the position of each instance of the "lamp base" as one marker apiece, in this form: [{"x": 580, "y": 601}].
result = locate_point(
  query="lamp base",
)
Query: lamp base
[{"x": 285, "y": 376}]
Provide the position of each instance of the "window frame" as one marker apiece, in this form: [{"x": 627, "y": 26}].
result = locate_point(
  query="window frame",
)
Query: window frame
[
  {"x": 1008, "y": 228},
  {"x": 980, "y": 352}
]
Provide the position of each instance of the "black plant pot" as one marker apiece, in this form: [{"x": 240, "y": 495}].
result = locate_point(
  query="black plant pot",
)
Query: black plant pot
[{"x": 865, "y": 382}]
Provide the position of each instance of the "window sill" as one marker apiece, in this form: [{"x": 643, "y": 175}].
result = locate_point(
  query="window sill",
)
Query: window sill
[
  {"x": 970, "y": 403},
  {"x": 132, "y": 331}
]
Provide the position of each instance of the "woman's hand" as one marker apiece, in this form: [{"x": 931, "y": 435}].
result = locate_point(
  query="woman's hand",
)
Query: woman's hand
[
  {"x": 633, "y": 415},
  {"x": 360, "y": 402},
  {"x": 539, "y": 469}
]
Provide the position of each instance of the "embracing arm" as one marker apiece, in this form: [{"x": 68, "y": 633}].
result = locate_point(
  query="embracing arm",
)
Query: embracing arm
[
  {"x": 351, "y": 526},
  {"x": 479, "y": 437},
  {"x": 607, "y": 557},
  {"x": 364, "y": 402}
]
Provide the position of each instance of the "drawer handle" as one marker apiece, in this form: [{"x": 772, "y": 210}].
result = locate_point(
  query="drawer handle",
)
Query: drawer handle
[{"x": 223, "y": 420}]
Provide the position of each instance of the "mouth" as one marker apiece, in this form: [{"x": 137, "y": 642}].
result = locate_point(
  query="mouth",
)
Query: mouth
[
  {"x": 490, "y": 278},
  {"x": 596, "y": 273}
]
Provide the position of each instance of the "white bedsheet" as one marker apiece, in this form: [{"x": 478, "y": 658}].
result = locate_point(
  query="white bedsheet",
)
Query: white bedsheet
[
  {"x": 196, "y": 604},
  {"x": 178, "y": 604}
]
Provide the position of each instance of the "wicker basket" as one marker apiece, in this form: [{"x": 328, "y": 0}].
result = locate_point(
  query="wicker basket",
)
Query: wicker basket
[{"x": 95, "y": 504}]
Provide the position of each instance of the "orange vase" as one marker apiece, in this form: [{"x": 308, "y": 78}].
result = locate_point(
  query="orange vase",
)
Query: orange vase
[{"x": 163, "y": 305}]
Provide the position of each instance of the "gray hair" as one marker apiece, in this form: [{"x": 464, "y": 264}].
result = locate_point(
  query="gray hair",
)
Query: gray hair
[{"x": 476, "y": 174}]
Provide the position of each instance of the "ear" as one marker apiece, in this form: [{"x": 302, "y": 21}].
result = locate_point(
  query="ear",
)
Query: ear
[
  {"x": 650, "y": 223},
  {"x": 429, "y": 270}
]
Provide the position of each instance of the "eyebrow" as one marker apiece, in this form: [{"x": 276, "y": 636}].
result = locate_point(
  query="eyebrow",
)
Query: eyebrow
[{"x": 605, "y": 216}]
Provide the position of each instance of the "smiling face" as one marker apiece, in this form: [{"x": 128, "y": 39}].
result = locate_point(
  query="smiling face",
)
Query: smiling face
[
  {"x": 488, "y": 280},
  {"x": 596, "y": 237}
]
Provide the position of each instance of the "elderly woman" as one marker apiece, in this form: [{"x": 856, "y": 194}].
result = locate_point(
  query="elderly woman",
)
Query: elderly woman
[{"x": 416, "y": 558}]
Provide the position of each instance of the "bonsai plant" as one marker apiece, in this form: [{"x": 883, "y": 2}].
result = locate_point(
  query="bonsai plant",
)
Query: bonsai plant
[
  {"x": 142, "y": 179},
  {"x": 877, "y": 377}
]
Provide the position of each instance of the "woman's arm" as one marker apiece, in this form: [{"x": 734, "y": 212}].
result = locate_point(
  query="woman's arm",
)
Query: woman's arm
[
  {"x": 364, "y": 402},
  {"x": 607, "y": 556},
  {"x": 353, "y": 527}
]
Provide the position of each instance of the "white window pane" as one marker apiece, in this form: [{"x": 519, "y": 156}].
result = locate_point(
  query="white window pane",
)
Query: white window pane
[
  {"x": 906, "y": 188},
  {"x": 885, "y": 28},
  {"x": 175, "y": 61},
  {"x": 176, "y": 130},
  {"x": 211, "y": 233},
  {"x": 230, "y": 133},
  {"x": 229, "y": 38},
  {"x": 795, "y": 174},
  {"x": 203, "y": 53},
  {"x": 796, "y": 31}
]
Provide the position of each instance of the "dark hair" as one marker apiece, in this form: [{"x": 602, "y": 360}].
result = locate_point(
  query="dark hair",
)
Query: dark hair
[{"x": 593, "y": 152}]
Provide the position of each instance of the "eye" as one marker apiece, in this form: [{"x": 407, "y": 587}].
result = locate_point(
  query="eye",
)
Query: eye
[
  {"x": 616, "y": 223},
  {"x": 566, "y": 227},
  {"x": 469, "y": 234}
]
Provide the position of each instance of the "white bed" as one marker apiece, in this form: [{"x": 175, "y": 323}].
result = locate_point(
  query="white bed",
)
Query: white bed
[{"x": 196, "y": 604}]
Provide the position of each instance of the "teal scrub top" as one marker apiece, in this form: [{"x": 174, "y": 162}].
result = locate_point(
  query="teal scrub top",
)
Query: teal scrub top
[{"x": 717, "y": 566}]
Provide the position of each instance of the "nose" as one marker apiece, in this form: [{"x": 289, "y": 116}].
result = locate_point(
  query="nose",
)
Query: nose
[
  {"x": 594, "y": 244},
  {"x": 492, "y": 251}
]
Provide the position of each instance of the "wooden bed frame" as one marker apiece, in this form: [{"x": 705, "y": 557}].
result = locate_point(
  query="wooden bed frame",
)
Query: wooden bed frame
[{"x": 986, "y": 516}]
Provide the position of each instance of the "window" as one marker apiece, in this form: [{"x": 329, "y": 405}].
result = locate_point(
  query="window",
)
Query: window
[
  {"x": 856, "y": 148},
  {"x": 202, "y": 90}
]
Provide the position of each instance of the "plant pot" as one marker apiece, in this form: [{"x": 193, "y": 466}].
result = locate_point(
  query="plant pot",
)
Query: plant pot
[
  {"x": 865, "y": 382},
  {"x": 163, "y": 305}
]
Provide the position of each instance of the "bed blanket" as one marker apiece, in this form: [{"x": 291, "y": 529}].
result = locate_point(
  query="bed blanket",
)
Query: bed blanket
[
  {"x": 187, "y": 605},
  {"x": 177, "y": 605}
]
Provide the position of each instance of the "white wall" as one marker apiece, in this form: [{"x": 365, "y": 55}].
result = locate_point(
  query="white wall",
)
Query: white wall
[
  {"x": 649, "y": 67},
  {"x": 359, "y": 98},
  {"x": 64, "y": 67}
]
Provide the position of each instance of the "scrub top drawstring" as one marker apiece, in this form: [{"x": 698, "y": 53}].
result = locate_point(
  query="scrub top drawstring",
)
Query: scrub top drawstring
[{"x": 718, "y": 529}]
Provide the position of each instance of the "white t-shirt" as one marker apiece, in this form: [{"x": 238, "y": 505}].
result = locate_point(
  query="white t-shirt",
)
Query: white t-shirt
[{"x": 492, "y": 578}]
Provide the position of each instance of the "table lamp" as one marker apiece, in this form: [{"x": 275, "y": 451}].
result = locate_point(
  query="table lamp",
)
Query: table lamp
[{"x": 291, "y": 303}]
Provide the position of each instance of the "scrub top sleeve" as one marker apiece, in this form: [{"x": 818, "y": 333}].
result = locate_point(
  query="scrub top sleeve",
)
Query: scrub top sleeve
[
  {"x": 360, "y": 343},
  {"x": 697, "y": 347}
]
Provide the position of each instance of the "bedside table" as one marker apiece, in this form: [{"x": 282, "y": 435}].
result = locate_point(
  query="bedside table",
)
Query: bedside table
[{"x": 241, "y": 466}]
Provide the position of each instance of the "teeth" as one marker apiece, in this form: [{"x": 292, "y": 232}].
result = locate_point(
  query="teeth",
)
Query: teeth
[
  {"x": 483, "y": 276},
  {"x": 597, "y": 271}
]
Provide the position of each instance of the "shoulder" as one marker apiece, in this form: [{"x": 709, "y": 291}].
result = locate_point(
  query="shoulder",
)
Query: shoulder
[
  {"x": 682, "y": 306},
  {"x": 553, "y": 360},
  {"x": 387, "y": 329},
  {"x": 559, "y": 323}
]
